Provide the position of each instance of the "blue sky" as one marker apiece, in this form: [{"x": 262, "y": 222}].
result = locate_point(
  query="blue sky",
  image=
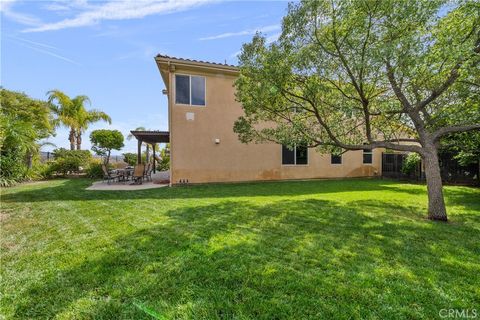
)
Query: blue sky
[{"x": 106, "y": 49}]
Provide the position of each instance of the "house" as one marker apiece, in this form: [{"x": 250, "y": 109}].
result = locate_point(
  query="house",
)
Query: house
[{"x": 203, "y": 147}]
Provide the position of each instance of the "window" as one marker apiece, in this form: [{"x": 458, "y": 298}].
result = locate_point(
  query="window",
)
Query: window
[
  {"x": 336, "y": 159},
  {"x": 367, "y": 156},
  {"x": 190, "y": 90},
  {"x": 296, "y": 156}
]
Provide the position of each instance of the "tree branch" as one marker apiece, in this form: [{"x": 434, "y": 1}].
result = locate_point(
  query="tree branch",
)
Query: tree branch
[{"x": 452, "y": 129}]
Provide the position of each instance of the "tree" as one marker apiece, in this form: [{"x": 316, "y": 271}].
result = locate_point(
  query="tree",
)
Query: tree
[
  {"x": 72, "y": 114},
  {"x": 352, "y": 75},
  {"x": 23, "y": 123},
  {"x": 104, "y": 141}
]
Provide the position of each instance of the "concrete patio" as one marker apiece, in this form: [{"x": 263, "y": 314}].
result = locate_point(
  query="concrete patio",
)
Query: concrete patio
[
  {"x": 158, "y": 181},
  {"x": 101, "y": 185}
]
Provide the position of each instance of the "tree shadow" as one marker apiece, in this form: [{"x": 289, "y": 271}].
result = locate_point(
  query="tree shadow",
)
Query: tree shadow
[
  {"x": 289, "y": 259},
  {"x": 74, "y": 190}
]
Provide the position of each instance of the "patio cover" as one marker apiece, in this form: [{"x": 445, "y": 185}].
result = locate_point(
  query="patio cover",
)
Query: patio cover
[{"x": 150, "y": 137}]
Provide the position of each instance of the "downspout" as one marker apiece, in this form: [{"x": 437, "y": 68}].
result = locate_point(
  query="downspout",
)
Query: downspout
[{"x": 169, "y": 101}]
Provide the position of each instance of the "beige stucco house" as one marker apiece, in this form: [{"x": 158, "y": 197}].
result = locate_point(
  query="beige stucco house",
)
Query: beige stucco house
[{"x": 204, "y": 148}]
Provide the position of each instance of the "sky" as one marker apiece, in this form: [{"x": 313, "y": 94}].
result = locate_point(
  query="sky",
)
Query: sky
[{"x": 106, "y": 49}]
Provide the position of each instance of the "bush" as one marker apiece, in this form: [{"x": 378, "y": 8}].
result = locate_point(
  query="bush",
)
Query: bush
[
  {"x": 71, "y": 160},
  {"x": 411, "y": 163},
  {"x": 94, "y": 169},
  {"x": 12, "y": 168}
]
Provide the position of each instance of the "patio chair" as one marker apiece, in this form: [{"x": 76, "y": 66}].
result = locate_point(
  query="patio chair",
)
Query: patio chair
[
  {"x": 107, "y": 175},
  {"x": 138, "y": 173}
]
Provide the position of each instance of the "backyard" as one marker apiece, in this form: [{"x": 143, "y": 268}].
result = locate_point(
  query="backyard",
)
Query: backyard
[{"x": 339, "y": 249}]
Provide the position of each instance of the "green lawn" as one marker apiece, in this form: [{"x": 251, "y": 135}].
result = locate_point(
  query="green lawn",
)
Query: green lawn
[{"x": 350, "y": 249}]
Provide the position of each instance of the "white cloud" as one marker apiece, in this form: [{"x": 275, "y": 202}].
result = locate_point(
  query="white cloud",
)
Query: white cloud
[
  {"x": 243, "y": 32},
  {"x": 25, "y": 19},
  {"x": 118, "y": 10}
]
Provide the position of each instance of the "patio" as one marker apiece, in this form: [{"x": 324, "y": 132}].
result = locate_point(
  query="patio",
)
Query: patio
[{"x": 158, "y": 181}]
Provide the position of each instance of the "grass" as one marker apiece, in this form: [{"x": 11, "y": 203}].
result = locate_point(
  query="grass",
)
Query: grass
[{"x": 350, "y": 249}]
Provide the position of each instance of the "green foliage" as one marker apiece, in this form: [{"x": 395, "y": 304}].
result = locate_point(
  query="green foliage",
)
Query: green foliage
[
  {"x": 465, "y": 146},
  {"x": 324, "y": 249},
  {"x": 23, "y": 123},
  {"x": 68, "y": 161},
  {"x": 411, "y": 163},
  {"x": 164, "y": 163},
  {"x": 104, "y": 141},
  {"x": 94, "y": 169},
  {"x": 325, "y": 83},
  {"x": 82, "y": 157},
  {"x": 12, "y": 168},
  {"x": 130, "y": 158}
]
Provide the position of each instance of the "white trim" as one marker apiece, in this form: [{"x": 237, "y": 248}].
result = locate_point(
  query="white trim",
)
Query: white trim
[{"x": 190, "y": 89}]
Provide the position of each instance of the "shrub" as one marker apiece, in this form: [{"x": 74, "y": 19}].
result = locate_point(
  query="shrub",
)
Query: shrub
[
  {"x": 68, "y": 161},
  {"x": 411, "y": 163},
  {"x": 94, "y": 169},
  {"x": 12, "y": 168}
]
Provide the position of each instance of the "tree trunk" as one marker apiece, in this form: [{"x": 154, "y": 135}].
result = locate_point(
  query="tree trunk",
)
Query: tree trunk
[
  {"x": 106, "y": 160},
  {"x": 436, "y": 203},
  {"x": 71, "y": 138},
  {"x": 79, "y": 141}
]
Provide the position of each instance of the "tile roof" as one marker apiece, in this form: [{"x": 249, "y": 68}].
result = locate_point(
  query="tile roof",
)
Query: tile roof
[{"x": 197, "y": 61}]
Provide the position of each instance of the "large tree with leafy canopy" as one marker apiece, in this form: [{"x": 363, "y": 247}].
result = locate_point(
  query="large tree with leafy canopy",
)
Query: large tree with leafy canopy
[{"x": 352, "y": 75}]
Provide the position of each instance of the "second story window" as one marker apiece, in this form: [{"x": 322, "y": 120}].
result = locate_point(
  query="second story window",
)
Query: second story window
[
  {"x": 189, "y": 90},
  {"x": 297, "y": 156}
]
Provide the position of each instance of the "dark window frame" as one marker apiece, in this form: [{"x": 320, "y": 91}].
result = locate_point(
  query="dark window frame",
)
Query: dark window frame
[
  {"x": 336, "y": 159},
  {"x": 368, "y": 154},
  {"x": 190, "y": 90},
  {"x": 295, "y": 156}
]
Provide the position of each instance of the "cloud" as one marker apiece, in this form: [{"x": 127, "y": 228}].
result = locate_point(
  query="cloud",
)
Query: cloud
[
  {"x": 118, "y": 10},
  {"x": 25, "y": 19},
  {"x": 242, "y": 33}
]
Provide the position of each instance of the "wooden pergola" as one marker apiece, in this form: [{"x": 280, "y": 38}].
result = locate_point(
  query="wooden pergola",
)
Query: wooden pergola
[{"x": 152, "y": 138}]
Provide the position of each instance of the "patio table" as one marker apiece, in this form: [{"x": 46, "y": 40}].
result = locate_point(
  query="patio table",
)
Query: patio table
[{"x": 125, "y": 173}]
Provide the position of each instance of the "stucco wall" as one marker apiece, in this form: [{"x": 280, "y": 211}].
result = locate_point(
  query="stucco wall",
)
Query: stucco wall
[{"x": 195, "y": 155}]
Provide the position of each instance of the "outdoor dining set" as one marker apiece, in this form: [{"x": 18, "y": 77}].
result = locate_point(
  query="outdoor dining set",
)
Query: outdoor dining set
[{"x": 136, "y": 174}]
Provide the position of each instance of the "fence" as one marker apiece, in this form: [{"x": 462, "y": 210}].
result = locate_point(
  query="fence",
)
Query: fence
[{"x": 452, "y": 172}]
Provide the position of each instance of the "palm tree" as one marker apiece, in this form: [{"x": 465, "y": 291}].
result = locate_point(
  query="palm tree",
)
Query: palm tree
[
  {"x": 86, "y": 117},
  {"x": 72, "y": 114},
  {"x": 64, "y": 110}
]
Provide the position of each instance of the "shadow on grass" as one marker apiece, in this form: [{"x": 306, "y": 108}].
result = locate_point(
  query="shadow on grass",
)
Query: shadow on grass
[
  {"x": 290, "y": 259},
  {"x": 74, "y": 189}
]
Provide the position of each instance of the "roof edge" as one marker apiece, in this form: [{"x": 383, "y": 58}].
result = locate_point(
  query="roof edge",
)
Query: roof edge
[{"x": 196, "y": 63}]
